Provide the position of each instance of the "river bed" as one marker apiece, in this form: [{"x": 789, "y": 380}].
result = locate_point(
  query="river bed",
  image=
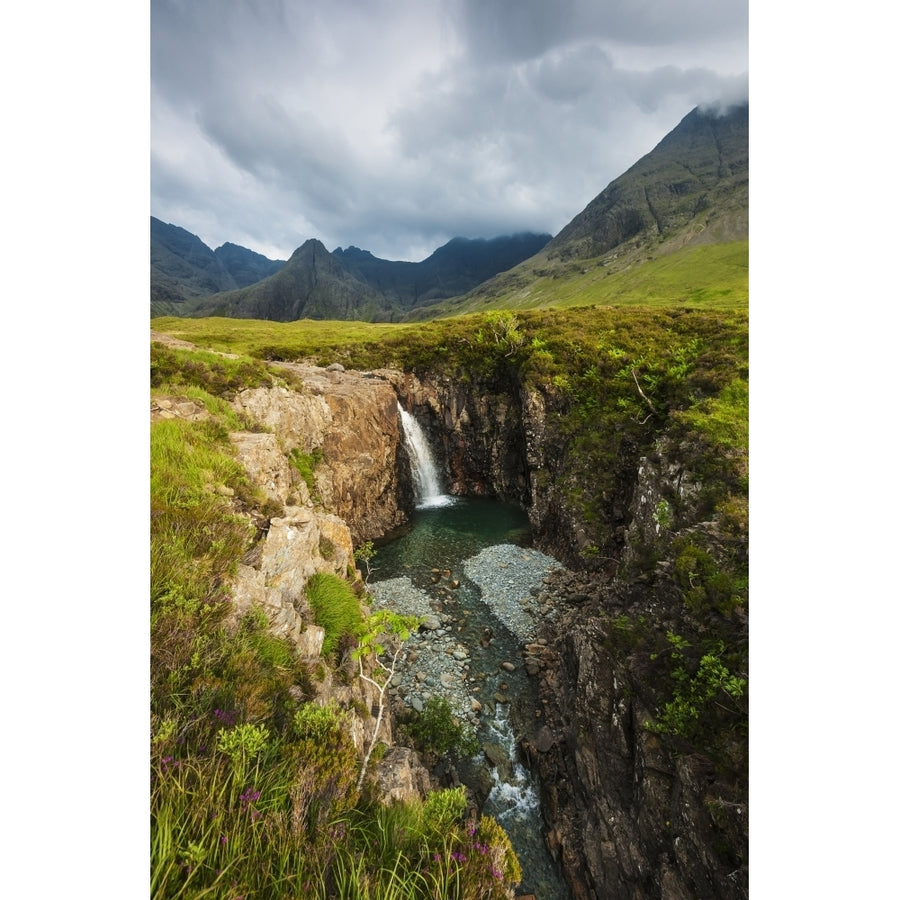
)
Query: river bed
[{"x": 466, "y": 567}]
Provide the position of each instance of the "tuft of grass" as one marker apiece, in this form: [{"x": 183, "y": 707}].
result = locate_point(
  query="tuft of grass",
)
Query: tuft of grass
[
  {"x": 305, "y": 464},
  {"x": 336, "y": 608}
]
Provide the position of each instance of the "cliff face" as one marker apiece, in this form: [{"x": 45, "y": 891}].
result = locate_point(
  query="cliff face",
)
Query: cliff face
[
  {"x": 630, "y": 814},
  {"x": 477, "y": 431},
  {"x": 348, "y": 426}
]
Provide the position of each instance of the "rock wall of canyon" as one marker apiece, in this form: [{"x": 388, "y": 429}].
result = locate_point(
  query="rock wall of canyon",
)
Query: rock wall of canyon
[
  {"x": 351, "y": 421},
  {"x": 626, "y": 816}
]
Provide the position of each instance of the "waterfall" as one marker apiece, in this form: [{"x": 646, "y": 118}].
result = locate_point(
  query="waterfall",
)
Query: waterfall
[{"x": 424, "y": 471}]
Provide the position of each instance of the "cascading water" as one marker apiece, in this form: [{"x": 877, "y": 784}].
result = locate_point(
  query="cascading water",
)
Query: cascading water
[
  {"x": 441, "y": 568},
  {"x": 424, "y": 471}
]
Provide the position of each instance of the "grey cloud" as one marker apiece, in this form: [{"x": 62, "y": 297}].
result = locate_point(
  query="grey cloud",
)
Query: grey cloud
[
  {"x": 395, "y": 126},
  {"x": 523, "y": 29}
]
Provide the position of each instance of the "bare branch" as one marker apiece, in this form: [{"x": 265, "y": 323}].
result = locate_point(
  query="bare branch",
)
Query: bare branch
[{"x": 643, "y": 395}]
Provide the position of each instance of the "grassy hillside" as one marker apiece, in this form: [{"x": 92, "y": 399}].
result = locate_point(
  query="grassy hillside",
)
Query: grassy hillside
[{"x": 709, "y": 276}]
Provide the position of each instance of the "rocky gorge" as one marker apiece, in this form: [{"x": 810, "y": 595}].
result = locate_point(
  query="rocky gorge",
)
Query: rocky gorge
[{"x": 630, "y": 810}]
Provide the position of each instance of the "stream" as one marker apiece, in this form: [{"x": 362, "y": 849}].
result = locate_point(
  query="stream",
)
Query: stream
[{"x": 466, "y": 566}]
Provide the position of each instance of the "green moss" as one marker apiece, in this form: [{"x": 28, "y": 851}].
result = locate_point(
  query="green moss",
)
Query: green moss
[{"x": 305, "y": 464}]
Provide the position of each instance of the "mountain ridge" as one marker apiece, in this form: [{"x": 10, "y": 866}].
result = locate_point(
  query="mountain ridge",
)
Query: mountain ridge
[
  {"x": 186, "y": 275},
  {"x": 691, "y": 190}
]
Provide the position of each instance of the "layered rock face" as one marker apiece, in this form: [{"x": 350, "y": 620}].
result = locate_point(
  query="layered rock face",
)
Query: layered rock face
[
  {"x": 476, "y": 430},
  {"x": 352, "y": 423},
  {"x": 627, "y": 817}
]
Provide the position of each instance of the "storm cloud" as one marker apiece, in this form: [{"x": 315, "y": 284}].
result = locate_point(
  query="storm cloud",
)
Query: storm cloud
[{"x": 395, "y": 125}]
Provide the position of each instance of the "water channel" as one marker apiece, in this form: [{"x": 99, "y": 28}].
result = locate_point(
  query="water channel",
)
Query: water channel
[{"x": 468, "y": 563}]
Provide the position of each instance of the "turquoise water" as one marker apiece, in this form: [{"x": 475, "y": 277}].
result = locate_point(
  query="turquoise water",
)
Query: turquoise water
[{"x": 442, "y": 536}]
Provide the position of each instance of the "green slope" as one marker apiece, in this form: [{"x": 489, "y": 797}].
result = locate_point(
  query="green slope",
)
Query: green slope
[{"x": 712, "y": 276}]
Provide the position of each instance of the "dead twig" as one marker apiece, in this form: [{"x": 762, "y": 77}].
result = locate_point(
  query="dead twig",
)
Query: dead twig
[{"x": 645, "y": 398}]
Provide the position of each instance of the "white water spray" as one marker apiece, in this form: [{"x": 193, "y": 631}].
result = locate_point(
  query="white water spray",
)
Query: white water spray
[
  {"x": 515, "y": 799},
  {"x": 424, "y": 472}
]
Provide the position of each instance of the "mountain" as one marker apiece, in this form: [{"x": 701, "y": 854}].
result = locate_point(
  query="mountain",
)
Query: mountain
[
  {"x": 189, "y": 279},
  {"x": 692, "y": 187},
  {"x": 674, "y": 228},
  {"x": 245, "y": 266},
  {"x": 312, "y": 284},
  {"x": 183, "y": 268},
  {"x": 450, "y": 271}
]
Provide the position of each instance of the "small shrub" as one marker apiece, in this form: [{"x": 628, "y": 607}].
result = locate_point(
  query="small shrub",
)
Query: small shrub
[
  {"x": 706, "y": 585},
  {"x": 435, "y": 730},
  {"x": 326, "y": 768},
  {"x": 444, "y": 808},
  {"x": 698, "y": 698}
]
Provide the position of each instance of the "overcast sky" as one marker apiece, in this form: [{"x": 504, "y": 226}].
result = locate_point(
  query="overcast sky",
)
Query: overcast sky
[{"x": 395, "y": 125}]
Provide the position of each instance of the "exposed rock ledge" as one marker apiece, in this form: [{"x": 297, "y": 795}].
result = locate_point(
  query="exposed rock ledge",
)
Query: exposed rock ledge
[{"x": 354, "y": 421}]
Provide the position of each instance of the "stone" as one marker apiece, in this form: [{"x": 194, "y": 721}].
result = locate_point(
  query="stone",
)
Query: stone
[
  {"x": 401, "y": 775},
  {"x": 543, "y": 740},
  {"x": 497, "y": 756},
  {"x": 354, "y": 422}
]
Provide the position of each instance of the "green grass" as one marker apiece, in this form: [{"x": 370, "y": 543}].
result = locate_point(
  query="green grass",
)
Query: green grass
[
  {"x": 710, "y": 276},
  {"x": 336, "y": 608},
  {"x": 304, "y": 339},
  {"x": 196, "y": 538}
]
